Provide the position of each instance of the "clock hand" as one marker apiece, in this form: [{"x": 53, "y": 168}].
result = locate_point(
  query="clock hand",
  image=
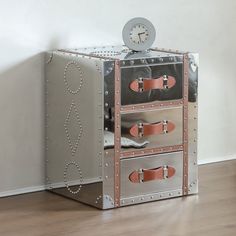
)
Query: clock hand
[
  {"x": 139, "y": 37},
  {"x": 141, "y": 33}
]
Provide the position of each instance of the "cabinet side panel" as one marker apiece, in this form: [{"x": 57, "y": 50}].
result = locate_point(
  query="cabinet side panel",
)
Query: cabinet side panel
[{"x": 74, "y": 126}]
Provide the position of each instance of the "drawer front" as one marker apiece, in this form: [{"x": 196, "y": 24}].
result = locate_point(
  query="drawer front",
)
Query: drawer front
[
  {"x": 151, "y": 83},
  {"x": 154, "y": 182},
  {"x": 161, "y": 128}
]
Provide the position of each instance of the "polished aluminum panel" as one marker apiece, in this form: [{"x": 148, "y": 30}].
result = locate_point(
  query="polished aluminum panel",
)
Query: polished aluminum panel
[
  {"x": 173, "y": 114},
  {"x": 74, "y": 124},
  {"x": 87, "y": 193},
  {"x": 129, "y": 189},
  {"x": 193, "y": 122},
  {"x": 130, "y": 74}
]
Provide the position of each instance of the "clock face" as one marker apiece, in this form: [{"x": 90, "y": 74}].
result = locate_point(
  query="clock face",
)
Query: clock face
[{"x": 139, "y": 34}]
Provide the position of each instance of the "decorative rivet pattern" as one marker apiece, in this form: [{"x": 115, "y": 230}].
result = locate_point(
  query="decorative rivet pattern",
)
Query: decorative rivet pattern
[
  {"x": 98, "y": 199},
  {"x": 117, "y": 134},
  {"x": 185, "y": 126},
  {"x": 73, "y": 146},
  {"x": 80, "y": 75},
  {"x": 73, "y": 163},
  {"x": 98, "y": 68},
  {"x": 106, "y": 53},
  {"x": 149, "y": 106}
]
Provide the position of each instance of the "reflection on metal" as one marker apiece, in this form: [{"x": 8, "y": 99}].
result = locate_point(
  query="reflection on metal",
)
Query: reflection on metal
[
  {"x": 125, "y": 142},
  {"x": 144, "y": 84},
  {"x": 129, "y": 189},
  {"x": 173, "y": 115},
  {"x": 90, "y": 110}
]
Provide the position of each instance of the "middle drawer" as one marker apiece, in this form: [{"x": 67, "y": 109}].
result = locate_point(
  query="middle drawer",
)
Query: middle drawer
[{"x": 151, "y": 129}]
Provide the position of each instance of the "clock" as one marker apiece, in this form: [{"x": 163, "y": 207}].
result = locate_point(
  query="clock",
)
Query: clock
[{"x": 138, "y": 34}]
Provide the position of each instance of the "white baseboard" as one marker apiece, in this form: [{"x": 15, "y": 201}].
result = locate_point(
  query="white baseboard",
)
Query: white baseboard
[
  {"x": 43, "y": 187},
  {"x": 22, "y": 191},
  {"x": 217, "y": 159}
]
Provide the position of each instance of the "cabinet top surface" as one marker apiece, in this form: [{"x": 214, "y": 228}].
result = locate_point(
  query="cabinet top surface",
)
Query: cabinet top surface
[{"x": 122, "y": 52}]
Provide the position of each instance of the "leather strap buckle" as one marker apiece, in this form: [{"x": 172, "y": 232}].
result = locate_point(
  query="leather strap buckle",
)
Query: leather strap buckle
[
  {"x": 140, "y": 130},
  {"x": 140, "y": 175},
  {"x": 146, "y": 84},
  {"x": 145, "y": 175},
  {"x": 165, "y": 172},
  {"x": 140, "y": 85},
  {"x": 165, "y": 82},
  {"x": 165, "y": 126}
]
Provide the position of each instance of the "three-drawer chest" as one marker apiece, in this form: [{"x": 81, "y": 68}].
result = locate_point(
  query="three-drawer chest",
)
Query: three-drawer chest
[{"x": 121, "y": 126}]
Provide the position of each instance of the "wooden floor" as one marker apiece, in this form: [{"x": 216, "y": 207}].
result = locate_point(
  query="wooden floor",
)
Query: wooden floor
[{"x": 212, "y": 212}]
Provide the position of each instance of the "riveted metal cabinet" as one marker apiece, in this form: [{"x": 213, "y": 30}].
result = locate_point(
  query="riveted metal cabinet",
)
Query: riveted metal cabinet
[{"x": 121, "y": 126}]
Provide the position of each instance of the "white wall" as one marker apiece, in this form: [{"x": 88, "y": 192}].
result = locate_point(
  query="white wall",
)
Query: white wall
[{"x": 29, "y": 27}]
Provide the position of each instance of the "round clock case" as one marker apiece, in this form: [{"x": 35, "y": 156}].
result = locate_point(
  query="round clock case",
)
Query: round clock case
[{"x": 138, "y": 34}]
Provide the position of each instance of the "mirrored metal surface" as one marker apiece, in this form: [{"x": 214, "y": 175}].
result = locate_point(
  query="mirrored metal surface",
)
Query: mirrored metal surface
[
  {"x": 130, "y": 74},
  {"x": 193, "y": 122},
  {"x": 129, "y": 189},
  {"x": 74, "y": 114},
  {"x": 174, "y": 137}
]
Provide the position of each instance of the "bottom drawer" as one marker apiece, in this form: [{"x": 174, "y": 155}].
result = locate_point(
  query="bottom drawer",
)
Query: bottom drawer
[{"x": 151, "y": 174}]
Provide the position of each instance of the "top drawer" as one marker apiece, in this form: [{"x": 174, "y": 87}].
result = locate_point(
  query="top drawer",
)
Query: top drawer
[{"x": 143, "y": 84}]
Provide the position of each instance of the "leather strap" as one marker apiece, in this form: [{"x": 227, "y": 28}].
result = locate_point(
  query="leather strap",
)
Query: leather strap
[
  {"x": 145, "y": 175},
  {"x": 145, "y": 84},
  {"x": 146, "y": 129}
]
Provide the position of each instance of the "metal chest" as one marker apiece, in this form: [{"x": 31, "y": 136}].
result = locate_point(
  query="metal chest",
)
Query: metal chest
[{"x": 121, "y": 127}]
